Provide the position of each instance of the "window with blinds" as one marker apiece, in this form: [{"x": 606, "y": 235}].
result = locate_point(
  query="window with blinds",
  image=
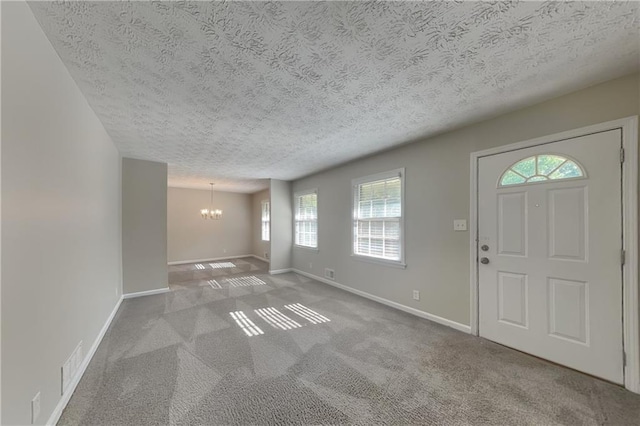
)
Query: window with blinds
[
  {"x": 266, "y": 219},
  {"x": 377, "y": 214},
  {"x": 306, "y": 219}
]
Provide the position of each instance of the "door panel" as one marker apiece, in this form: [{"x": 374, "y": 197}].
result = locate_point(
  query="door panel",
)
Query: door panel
[
  {"x": 512, "y": 224},
  {"x": 552, "y": 286},
  {"x": 567, "y": 223},
  {"x": 512, "y": 298},
  {"x": 568, "y": 309}
]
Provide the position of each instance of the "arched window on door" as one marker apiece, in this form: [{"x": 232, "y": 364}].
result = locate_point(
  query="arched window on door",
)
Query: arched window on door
[{"x": 541, "y": 168}]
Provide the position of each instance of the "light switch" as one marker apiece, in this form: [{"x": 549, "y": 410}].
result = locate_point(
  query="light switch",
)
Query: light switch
[{"x": 460, "y": 225}]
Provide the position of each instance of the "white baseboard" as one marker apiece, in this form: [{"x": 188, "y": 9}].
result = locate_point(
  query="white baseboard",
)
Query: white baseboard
[
  {"x": 146, "y": 293},
  {"x": 260, "y": 258},
  {"x": 212, "y": 259},
  {"x": 280, "y": 271},
  {"x": 408, "y": 309},
  {"x": 57, "y": 412}
]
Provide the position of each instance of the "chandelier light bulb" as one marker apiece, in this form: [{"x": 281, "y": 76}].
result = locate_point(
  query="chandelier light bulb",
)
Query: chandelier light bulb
[{"x": 211, "y": 213}]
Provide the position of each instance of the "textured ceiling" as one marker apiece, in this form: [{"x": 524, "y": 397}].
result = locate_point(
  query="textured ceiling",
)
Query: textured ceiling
[{"x": 238, "y": 92}]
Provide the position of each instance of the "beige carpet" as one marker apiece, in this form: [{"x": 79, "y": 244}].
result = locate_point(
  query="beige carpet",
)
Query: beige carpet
[{"x": 233, "y": 345}]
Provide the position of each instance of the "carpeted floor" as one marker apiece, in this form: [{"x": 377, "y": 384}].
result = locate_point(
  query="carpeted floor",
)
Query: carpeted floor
[{"x": 237, "y": 346}]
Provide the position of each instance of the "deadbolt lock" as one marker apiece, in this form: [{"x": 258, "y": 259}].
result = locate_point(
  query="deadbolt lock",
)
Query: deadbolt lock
[{"x": 484, "y": 247}]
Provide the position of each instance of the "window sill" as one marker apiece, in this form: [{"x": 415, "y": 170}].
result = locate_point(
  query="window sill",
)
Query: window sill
[
  {"x": 306, "y": 248},
  {"x": 391, "y": 263}
]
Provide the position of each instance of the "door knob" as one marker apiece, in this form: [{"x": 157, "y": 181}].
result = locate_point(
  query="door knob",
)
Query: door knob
[{"x": 484, "y": 260}]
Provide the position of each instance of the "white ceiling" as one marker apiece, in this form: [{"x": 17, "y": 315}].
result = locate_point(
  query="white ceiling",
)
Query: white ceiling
[{"x": 238, "y": 92}]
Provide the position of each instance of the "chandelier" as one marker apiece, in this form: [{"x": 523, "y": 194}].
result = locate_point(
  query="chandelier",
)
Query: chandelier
[{"x": 211, "y": 213}]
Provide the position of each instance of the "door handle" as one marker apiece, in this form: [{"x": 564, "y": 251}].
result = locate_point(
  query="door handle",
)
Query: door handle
[{"x": 484, "y": 260}]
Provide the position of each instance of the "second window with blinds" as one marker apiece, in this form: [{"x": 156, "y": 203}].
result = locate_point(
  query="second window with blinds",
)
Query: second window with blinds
[
  {"x": 266, "y": 221},
  {"x": 306, "y": 219},
  {"x": 378, "y": 218}
]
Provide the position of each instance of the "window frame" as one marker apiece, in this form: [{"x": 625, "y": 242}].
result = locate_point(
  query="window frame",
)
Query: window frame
[
  {"x": 355, "y": 183},
  {"x": 263, "y": 221},
  {"x": 567, "y": 159},
  {"x": 296, "y": 195}
]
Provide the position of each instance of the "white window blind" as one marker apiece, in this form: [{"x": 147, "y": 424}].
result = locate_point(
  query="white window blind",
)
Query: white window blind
[
  {"x": 377, "y": 216},
  {"x": 306, "y": 219},
  {"x": 266, "y": 219}
]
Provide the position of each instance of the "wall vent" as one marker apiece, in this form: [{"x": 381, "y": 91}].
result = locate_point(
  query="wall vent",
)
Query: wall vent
[
  {"x": 71, "y": 367},
  {"x": 330, "y": 274}
]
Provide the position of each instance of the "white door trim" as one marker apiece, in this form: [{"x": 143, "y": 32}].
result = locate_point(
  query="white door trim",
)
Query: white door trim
[{"x": 631, "y": 293}]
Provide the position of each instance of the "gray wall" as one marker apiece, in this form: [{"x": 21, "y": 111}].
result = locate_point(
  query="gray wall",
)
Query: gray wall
[
  {"x": 192, "y": 238},
  {"x": 259, "y": 247},
  {"x": 61, "y": 258},
  {"x": 281, "y": 200},
  {"x": 144, "y": 225},
  {"x": 437, "y": 192}
]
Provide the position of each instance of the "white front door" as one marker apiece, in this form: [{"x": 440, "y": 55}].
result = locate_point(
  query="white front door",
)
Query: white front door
[{"x": 549, "y": 248}]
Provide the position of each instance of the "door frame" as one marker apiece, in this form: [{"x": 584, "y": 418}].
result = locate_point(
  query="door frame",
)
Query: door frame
[{"x": 630, "y": 290}]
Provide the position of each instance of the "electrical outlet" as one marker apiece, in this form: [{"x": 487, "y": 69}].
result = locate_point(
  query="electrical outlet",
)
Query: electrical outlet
[
  {"x": 310, "y": 265},
  {"x": 35, "y": 408},
  {"x": 224, "y": 250},
  {"x": 266, "y": 255},
  {"x": 460, "y": 225},
  {"x": 416, "y": 294}
]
